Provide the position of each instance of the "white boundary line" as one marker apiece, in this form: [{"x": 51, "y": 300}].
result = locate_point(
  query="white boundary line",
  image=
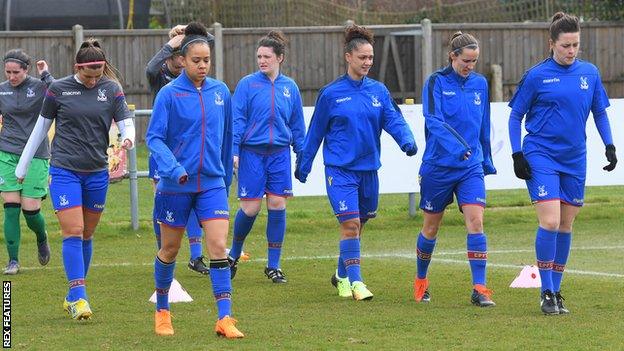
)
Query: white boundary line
[{"x": 404, "y": 256}]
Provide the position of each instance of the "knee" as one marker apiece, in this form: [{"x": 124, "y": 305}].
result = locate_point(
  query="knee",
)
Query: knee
[
  {"x": 551, "y": 224},
  {"x": 216, "y": 241},
  {"x": 250, "y": 208},
  {"x": 87, "y": 233},
  {"x": 566, "y": 226},
  {"x": 74, "y": 230},
  {"x": 29, "y": 204},
  {"x": 474, "y": 224},
  {"x": 430, "y": 231},
  {"x": 350, "y": 229},
  {"x": 276, "y": 203},
  {"x": 169, "y": 251}
]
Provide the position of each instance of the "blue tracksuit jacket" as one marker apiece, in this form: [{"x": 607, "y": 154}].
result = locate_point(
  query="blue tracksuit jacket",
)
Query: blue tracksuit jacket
[
  {"x": 457, "y": 120},
  {"x": 268, "y": 116},
  {"x": 191, "y": 133},
  {"x": 350, "y": 115},
  {"x": 556, "y": 100}
]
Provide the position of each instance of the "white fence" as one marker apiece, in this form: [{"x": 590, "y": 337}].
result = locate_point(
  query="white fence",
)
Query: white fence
[{"x": 399, "y": 173}]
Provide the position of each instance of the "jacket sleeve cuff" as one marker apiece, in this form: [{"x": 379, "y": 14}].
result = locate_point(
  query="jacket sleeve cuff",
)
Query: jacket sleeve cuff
[
  {"x": 235, "y": 150},
  {"x": 178, "y": 173},
  {"x": 488, "y": 168}
]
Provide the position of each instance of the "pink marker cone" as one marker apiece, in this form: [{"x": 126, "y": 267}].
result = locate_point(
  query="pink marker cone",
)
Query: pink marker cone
[
  {"x": 176, "y": 293},
  {"x": 528, "y": 278}
]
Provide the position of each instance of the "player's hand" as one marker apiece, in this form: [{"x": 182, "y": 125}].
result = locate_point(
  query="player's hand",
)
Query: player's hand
[
  {"x": 176, "y": 41},
  {"x": 611, "y": 157},
  {"x": 42, "y": 66},
  {"x": 235, "y": 161},
  {"x": 127, "y": 144},
  {"x": 521, "y": 166},
  {"x": 298, "y": 174},
  {"x": 183, "y": 179},
  {"x": 410, "y": 149},
  {"x": 177, "y": 30}
]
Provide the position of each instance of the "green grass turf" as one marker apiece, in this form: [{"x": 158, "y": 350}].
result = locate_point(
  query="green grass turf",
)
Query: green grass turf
[{"x": 306, "y": 313}]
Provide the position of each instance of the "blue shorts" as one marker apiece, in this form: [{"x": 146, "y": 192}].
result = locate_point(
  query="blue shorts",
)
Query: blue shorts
[
  {"x": 550, "y": 185},
  {"x": 352, "y": 194},
  {"x": 152, "y": 169},
  {"x": 438, "y": 184},
  {"x": 173, "y": 209},
  {"x": 260, "y": 174},
  {"x": 69, "y": 189}
]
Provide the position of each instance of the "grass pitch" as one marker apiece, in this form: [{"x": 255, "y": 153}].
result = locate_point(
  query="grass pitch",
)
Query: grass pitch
[{"x": 306, "y": 313}]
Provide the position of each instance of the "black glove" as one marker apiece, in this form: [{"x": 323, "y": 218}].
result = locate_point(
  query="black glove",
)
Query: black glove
[
  {"x": 610, "y": 153},
  {"x": 410, "y": 149},
  {"x": 521, "y": 166}
]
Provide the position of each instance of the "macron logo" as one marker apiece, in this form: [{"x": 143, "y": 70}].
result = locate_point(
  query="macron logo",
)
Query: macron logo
[
  {"x": 551, "y": 80},
  {"x": 71, "y": 93},
  {"x": 343, "y": 99},
  {"x": 448, "y": 93}
]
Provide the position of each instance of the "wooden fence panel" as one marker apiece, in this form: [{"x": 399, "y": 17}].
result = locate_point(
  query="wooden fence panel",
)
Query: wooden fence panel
[{"x": 315, "y": 54}]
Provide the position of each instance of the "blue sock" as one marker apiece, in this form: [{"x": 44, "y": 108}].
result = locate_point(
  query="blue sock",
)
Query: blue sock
[
  {"x": 350, "y": 252},
  {"x": 156, "y": 229},
  {"x": 275, "y": 232},
  {"x": 242, "y": 227},
  {"x": 87, "y": 252},
  {"x": 74, "y": 268},
  {"x": 424, "y": 249},
  {"x": 163, "y": 276},
  {"x": 545, "y": 246},
  {"x": 194, "y": 232},
  {"x": 342, "y": 270},
  {"x": 564, "y": 240},
  {"x": 221, "y": 286},
  {"x": 476, "y": 245}
]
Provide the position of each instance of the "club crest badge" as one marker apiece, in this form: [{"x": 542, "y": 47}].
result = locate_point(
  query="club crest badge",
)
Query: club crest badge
[
  {"x": 63, "y": 200},
  {"x": 428, "y": 206},
  {"x": 30, "y": 93},
  {"x": 102, "y": 95},
  {"x": 342, "y": 206},
  {"x": 584, "y": 84},
  {"x": 218, "y": 98},
  {"x": 375, "y": 101},
  {"x": 477, "y": 98},
  {"x": 169, "y": 217}
]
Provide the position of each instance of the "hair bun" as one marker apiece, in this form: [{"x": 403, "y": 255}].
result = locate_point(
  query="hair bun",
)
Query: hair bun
[
  {"x": 557, "y": 16},
  {"x": 195, "y": 28},
  {"x": 357, "y": 32},
  {"x": 456, "y": 34},
  {"x": 277, "y": 36}
]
